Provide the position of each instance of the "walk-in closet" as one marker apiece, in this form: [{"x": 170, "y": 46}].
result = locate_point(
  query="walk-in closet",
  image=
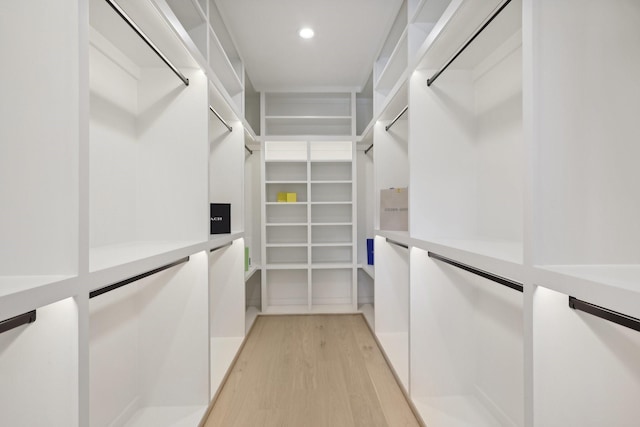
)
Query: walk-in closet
[{"x": 461, "y": 174}]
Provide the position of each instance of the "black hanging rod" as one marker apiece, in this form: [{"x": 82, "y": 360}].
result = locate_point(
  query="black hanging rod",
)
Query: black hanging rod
[
  {"x": 404, "y": 110},
  {"x": 220, "y": 118},
  {"x": 125, "y": 282},
  {"x": 470, "y": 40},
  {"x": 393, "y": 242},
  {"x": 605, "y": 313},
  {"x": 495, "y": 278},
  {"x": 248, "y": 149},
  {"x": 220, "y": 247},
  {"x": 368, "y": 149},
  {"x": 19, "y": 320},
  {"x": 147, "y": 40}
]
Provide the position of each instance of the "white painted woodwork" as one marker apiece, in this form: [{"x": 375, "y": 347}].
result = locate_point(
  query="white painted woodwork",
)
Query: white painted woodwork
[{"x": 149, "y": 347}]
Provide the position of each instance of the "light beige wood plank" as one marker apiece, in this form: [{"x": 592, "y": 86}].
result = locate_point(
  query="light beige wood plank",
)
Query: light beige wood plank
[{"x": 312, "y": 371}]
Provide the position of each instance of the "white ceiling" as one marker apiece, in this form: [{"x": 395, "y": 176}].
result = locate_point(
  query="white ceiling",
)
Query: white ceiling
[{"x": 348, "y": 36}]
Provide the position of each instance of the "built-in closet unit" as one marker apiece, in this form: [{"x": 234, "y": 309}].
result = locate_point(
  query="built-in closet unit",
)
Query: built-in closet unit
[
  {"x": 521, "y": 306},
  {"x": 511, "y": 300},
  {"x": 309, "y": 254},
  {"x": 110, "y": 299}
]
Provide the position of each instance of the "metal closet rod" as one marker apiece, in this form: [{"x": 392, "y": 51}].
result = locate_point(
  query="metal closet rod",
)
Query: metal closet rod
[
  {"x": 220, "y": 247},
  {"x": 605, "y": 313},
  {"x": 147, "y": 40},
  {"x": 220, "y": 118},
  {"x": 125, "y": 282},
  {"x": 19, "y": 320},
  {"x": 493, "y": 277},
  {"x": 393, "y": 242},
  {"x": 404, "y": 110},
  {"x": 470, "y": 40}
]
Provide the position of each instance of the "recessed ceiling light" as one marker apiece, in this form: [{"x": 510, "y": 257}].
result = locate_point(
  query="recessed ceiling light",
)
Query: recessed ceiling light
[{"x": 306, "y": 33}]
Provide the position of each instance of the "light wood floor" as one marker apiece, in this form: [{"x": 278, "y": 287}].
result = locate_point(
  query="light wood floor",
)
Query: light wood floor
[{"x": 310, "y": 371}]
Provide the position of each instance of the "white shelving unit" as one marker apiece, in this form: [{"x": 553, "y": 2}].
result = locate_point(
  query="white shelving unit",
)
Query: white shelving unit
[
  {"x": 200, "y": 24},
  {"x": 305, "y": 113},
  {"x": 147, "y": 140},
  {"x": 309, "y": 246},
  {"x": 149, "y": 349},
  {"x": 518, "y": 161},
  {"x": 467, "y": 364},
  {"x": 471, "y": 155},
  {"x": 226, "y": 160}
]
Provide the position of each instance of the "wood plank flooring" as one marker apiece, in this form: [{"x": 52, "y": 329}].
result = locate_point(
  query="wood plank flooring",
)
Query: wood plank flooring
[{"x": 310, "y": 371}]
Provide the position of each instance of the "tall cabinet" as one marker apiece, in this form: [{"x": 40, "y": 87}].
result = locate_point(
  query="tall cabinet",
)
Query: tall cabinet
[{"x": 308, "y": 214}]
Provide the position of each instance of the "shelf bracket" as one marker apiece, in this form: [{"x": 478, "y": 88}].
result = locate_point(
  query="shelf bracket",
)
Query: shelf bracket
[
  {"x": 19, "y": 320},
  {"x": 147, "y": 40},
  {"x": 470, "y": 40},
  {"x": 490, "y": 276},
  {"x": 605, "y": 313},
  {"x": 368, "y": 149},
  {"x": 125, "y": 282}
]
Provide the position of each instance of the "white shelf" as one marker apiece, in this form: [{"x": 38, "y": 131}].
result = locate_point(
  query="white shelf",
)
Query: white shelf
[
  {"x": 455, "y": 411},
  {"x": 331, "y": 181},
  {"x": 170, "y": 416},
  {"x": 115, "y": 256},
  {"x": 321, "y": 224},
  {"x": 331, "y": 265},
  {"x": 251, "y": 272},
  {"x": 287, "y": 266},
  {"x": 395, "y": 66},
  {"x": 369, "y": 269},
  {"x": 612, "y": 286},
  {"x": 19, "y": 294},
  {"x": 286, "y": 182},
  {"x": 330, "y": 245},
  {"x": 287, "y": 245},
  {"x": 331, "y": 203}
]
